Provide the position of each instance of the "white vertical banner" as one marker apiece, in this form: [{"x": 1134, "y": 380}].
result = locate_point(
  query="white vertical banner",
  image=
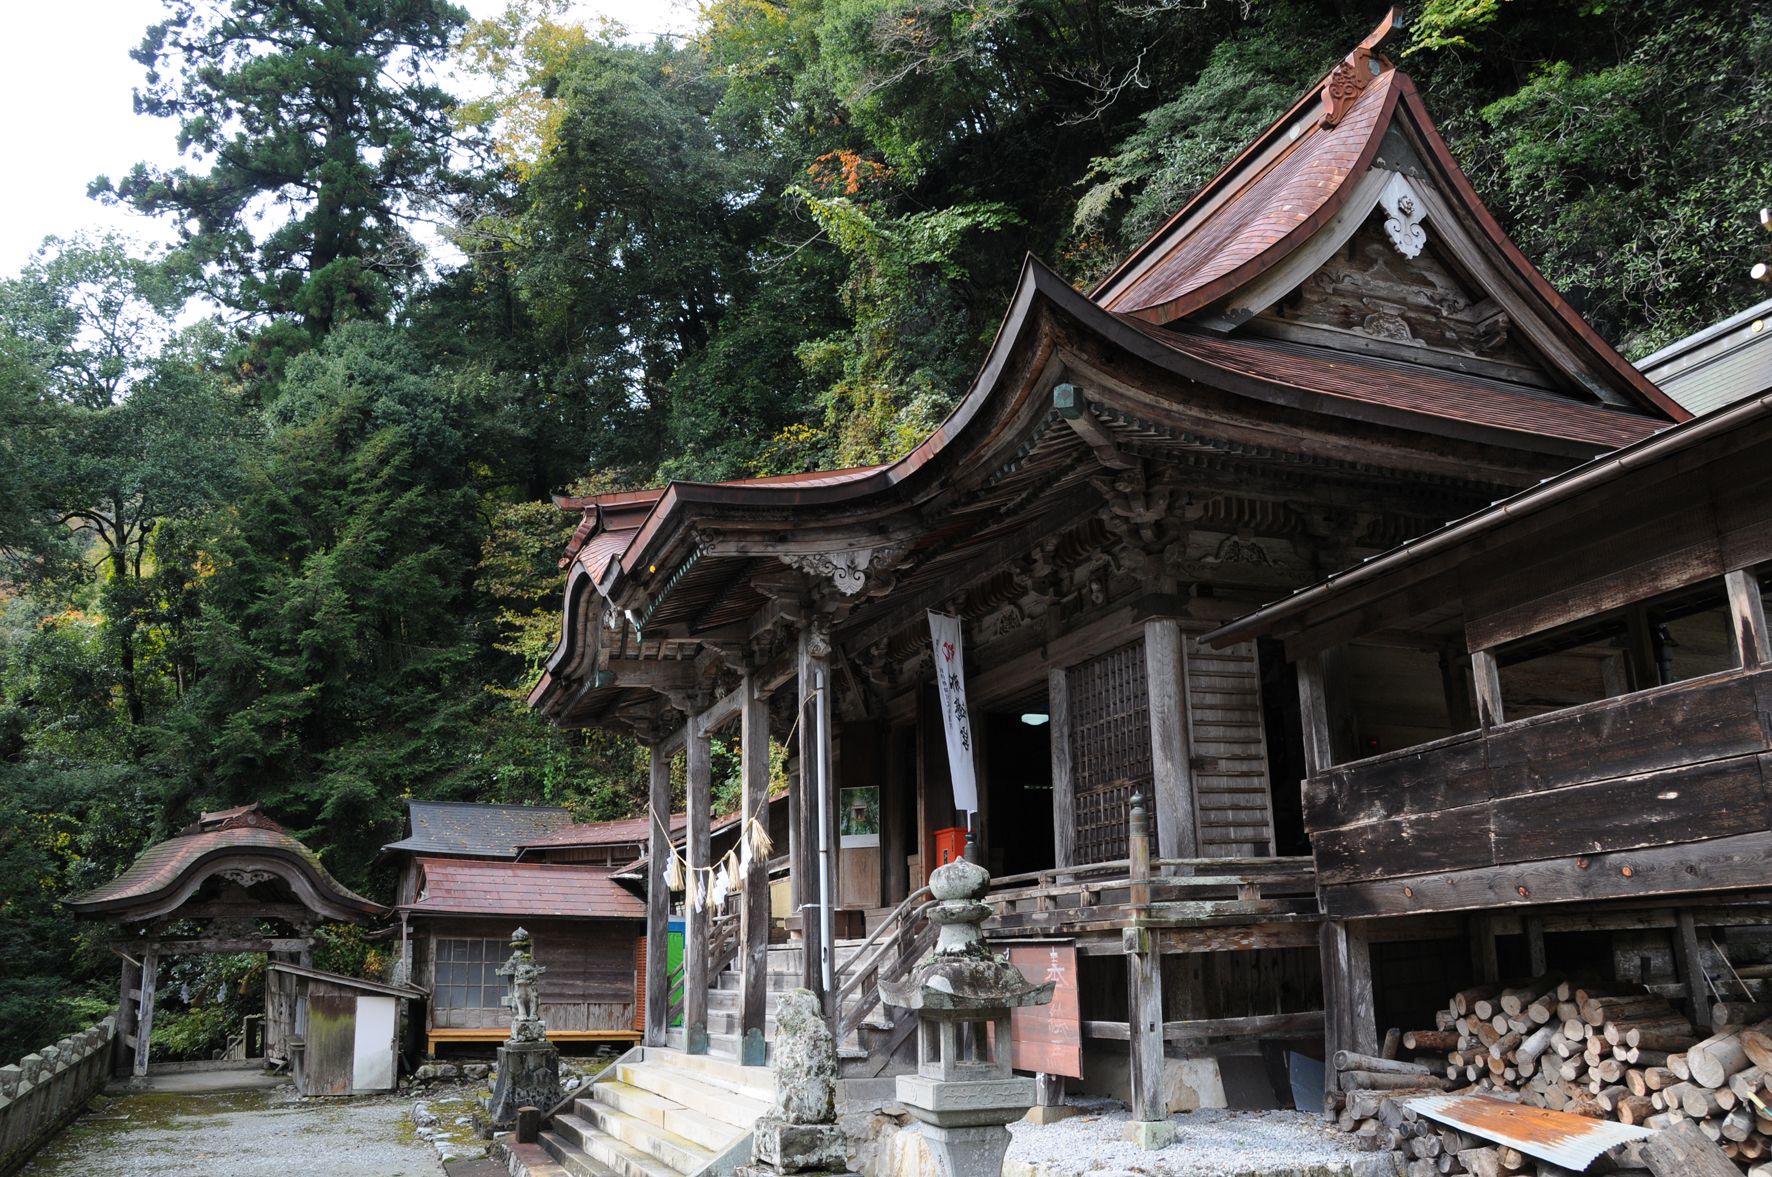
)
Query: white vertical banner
[{"x": 950, "y": 677}]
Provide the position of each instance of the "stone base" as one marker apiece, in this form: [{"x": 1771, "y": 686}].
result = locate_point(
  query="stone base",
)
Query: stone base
[
  {"x": 799, "y": 1148},
  {"x": 974, "y": 1103},
  {"x": 528, "y": 1076},
  {"x": 1039, "y": 1114},
  {"x": 1150, "y": 1135},
  {"x": 965, "y": 1152}
]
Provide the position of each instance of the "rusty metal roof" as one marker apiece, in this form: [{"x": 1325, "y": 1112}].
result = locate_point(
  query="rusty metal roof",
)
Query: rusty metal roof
[
  {"x": 1558, "y": 1137},
  {"x": 478, "y": 887}
]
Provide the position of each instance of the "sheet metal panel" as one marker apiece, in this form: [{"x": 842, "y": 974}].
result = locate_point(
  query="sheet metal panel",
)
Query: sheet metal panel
[{"x": 1558, "y": 1137}]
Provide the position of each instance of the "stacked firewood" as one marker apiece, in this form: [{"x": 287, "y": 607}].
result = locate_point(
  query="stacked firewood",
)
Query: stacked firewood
[{"x": 1608, "y": 1051}]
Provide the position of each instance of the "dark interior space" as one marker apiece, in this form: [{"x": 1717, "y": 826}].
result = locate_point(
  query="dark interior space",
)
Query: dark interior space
[
  {"x": 1285, "y": 746},
  {"x": 1583, "y": 956},
  {"x": 1101, "y": 989},
  {"x": 1019, "y": 777},
  {"x": 1413, "y": 978}
]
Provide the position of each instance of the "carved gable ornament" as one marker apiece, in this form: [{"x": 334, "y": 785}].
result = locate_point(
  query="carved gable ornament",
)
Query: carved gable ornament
[
  {"x": 1403, "y": 213},
  {"x": 849, "y": 570}
]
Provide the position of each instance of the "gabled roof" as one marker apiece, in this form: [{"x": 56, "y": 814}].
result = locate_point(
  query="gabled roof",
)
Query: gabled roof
[
  {"x": 604, "y": 833},
  {"x": 480, "y": 831},
  {"x": 1718, "y": 365},
  {"x": 378, "y": 988},
  {"x": 520, "y": 889},
  {"x": 170, "y": 872}
]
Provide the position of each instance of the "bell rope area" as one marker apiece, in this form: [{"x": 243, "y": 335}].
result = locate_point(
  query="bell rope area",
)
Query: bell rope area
[{"x": 740, "y": 673}]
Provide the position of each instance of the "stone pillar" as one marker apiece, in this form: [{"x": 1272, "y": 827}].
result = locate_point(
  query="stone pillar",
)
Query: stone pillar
[
  {"x": 695, "y": 917},
  {"x": 658, "y": 903},
  {"x": 753, "y": 929}
]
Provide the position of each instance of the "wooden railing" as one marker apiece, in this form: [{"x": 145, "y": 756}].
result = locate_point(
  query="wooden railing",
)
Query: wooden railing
[
  {"x": 890, "y": 951},
  {"x": 1099, "y": 894}
]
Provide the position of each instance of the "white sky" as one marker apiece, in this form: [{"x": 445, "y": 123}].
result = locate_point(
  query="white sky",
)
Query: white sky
[{"x": 67, "y": 92}]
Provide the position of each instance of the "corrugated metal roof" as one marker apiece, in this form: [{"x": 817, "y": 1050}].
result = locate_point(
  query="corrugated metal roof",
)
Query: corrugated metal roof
[
  {"x": 1558, "y": 1137},
  {"x": 1719, "y": 365},
  {"x": 484, "y": 831},
  {"x": 465, "y": 887}
]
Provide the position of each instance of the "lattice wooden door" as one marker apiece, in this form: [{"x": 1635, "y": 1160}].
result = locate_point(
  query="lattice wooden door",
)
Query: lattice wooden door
[
  {"x": 1111, "y": 748},
  {"x": 1227, "y": 746}
]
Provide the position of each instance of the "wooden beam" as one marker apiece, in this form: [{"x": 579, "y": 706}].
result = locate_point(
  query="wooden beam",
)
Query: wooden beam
[
  {"x": 1144, "y": 978},
  {"x": 1300, "y": 1023},
  {"x": 753, "y": 931},
  {"x": 721, "y": 712},
  {"x": 144, "y": 1020},
  {"x": 1165, "y": 665},
  {"x": 654, "y": 674},
  {"x": 1237, "y": 937},
  {"x": 225, "y": 944},
  {"x": 1488, "y": 679},
  {"x": 700, "y": 782},
  {"x": 1349, "y": 1021},
  {"x": 1753, "y": 649},
  {"x": 658, "y": 902},
  {"x": 1064, "y": 803},
  {"x": 1716, "y": 864},
  {"x": 1314, "y": 712}
]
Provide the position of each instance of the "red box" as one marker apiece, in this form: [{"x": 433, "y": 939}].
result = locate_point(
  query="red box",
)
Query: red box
[{"x": 950, "y": 845}]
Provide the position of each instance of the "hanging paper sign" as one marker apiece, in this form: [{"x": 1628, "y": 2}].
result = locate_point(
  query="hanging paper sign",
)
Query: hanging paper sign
[{"x": 950, "y": 677}]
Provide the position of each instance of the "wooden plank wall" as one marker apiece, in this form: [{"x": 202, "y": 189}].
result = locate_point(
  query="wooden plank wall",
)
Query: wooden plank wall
[
  {"x": 590, "y": 979},
  {"x": 1233, "y": 803},
  {"x": 1678, "y": 764}
]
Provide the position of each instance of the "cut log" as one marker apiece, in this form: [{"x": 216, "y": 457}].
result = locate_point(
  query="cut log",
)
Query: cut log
[
  {"x": 1462, "y": 1000},
  {"x": 1429, "y": 1040},
  {"x": 1597, "y": 1010},
  {"x": 1699, "y": 1102},
  {"x": 1673, "y": 1041},
  {"x": 1717, "y": 1057},
  {"x": 1392, "y": 1039},
  {"x": 1759, "y": 1048},
  {"x": 1481, "y": 1162},
  {"x": 1353, "y": 1081},
  {"x": 1618, "y": 1029},
  {"x": 1738, "y": 1125},
  {"x": 1677, "y": 1064},
  {"x": 1681, "y": 1150},
  {"x": 1347, "y": 1060},
  {"x": 1633, "y": 1109},
  {"x": 1610, "y": 1097},
  {"x": 1656, "y": 1078},
  {"x": 1515, "y": 1000},
  {"x": 1736, "y": 1014},
  {"x": 1747, "y": 1083}
]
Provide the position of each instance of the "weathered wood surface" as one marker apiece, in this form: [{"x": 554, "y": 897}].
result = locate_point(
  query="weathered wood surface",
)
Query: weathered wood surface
[
  {"x": 1300, "y": 1023},
  {"x": 658, "y": 902},
  {"x": 1681, "y": 1150},
  {"x": 1679, "y": 764},
  {"x": 1227, "y": 743}
]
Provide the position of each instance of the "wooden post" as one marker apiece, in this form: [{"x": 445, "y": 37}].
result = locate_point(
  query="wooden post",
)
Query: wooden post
[
  {"x": 1640, "y": 648},
  {"x": 144, "y": 1022},
  {"x": 815, "y": 777},
  {"x": 1535, "y": 945},
  {"x": 658, "y": 903},
  {"x": 753, "y": 930},
  {"x": 1313, "y": 709},
  {"x": 1144, "y": 975},
  {"x": 1458, "y": 700},
  {"x": 1349, "y": 1022},
  {"x": 1690, "y": 963},
  {"x": 123, "y": 1060},
  {"x": 1488, "y": 679},
  {"x": 1484, "y": 962},
  {"x": 1165, "y": 667},
  {"x": 700, "y": 776},
  {"x": 1752, "y": 648},
  {"x": 1064, "y": 787}
]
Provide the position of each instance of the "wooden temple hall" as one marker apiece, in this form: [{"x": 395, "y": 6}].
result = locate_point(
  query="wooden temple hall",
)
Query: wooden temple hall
[{"x": 1332, "y": 350}]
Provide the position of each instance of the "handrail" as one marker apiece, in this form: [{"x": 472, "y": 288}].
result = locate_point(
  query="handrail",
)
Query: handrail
[
  {"x": 891, "y": 919},
  {"x": 855, "y": 968}
]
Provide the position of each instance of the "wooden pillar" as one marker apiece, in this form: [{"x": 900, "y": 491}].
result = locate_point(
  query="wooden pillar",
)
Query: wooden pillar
[
  {"x": 1348, "y": 1019},
  {"x": 1165, "y": 666},
  {"x": 1752, "y": 647},
  {"x": 1313, "y": 709},
  {"x": 1689, "y": 960},
  {"x": 128, "y": 995},
  {"x": 1535, "y": 945},
  {"x": 817, "y": 806},
  {"x": 1640, "y": 647},
  {"x": 1488, "y": 678},
  {"x": 1144, "y": 976},
  {"x": 1485, "y": 963},
  {"x": 1458, "y": 700},
  {"x": 700, "y": 777},
  {"x": 1064, "y": 780},
  {"x": 144, "y": 1023},
  {"x": 753, "y": 930},
  {"x": 658, "y": 903}
]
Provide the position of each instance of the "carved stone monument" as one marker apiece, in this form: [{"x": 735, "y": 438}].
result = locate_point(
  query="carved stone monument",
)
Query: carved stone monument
[
  {"x": 528, "y": 1065},
  {"x": 800, "y": 1133},
  {"x": 964, "y": 1091}
]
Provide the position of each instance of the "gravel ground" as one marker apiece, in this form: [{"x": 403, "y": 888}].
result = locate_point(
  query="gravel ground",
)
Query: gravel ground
[
  {"x": 1213, "y": 1141},
  {"x": 261, "y": 1133}
]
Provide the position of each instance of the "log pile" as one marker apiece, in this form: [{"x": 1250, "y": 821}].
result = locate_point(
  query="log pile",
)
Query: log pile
[{"x": 1607, "y": 1051}]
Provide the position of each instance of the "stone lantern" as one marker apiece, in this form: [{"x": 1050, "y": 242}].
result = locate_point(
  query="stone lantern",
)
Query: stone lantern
[{"x": 964, "y": 1091}]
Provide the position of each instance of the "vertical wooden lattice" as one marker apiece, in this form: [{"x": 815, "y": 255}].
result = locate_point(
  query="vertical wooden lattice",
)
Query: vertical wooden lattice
[
  {"x": 1111, "y": 742},
  {"x": 1228, "y": 748}
]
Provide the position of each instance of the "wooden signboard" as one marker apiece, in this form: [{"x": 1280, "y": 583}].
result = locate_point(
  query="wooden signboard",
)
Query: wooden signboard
[{"x": 1047, "y": 1038}]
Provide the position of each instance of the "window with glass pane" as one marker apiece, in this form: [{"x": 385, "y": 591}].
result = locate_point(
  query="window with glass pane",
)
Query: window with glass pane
[{"x": 467, "y": 974}]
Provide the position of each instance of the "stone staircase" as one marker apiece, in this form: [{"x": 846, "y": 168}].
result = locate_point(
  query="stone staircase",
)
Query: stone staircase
[
  {"x": 660, "y": 1113},
  {"x": 784, "y": 974}
]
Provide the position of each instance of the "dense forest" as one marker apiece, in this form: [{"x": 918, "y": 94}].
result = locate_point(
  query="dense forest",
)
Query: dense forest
[{"x": 274, "y": 514}]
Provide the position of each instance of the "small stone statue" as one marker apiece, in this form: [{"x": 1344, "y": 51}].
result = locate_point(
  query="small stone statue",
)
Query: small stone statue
[{"x": 525, "y": 997}]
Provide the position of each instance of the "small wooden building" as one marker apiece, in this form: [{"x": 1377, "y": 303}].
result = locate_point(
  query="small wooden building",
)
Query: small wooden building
[
  {"x": 1604, "y": 805},
  {"x": 345, "y": 1039},
  {"x": 587, "y": 934}
]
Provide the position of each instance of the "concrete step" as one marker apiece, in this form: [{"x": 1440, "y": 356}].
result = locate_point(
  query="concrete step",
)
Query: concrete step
[
  {"x": 571, "y": 1158},
  {"x": 618, "y": 1156},
  {"x": 721, "y": 1103},
  {"x": 755, "y": 1083},
  {"x": 679, "y": 1152},
  {"x": 688, "y": 1123}
]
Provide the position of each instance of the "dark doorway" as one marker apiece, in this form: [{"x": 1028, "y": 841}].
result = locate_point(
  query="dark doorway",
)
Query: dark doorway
[
  {"x": 1285, "y": 746},
  {"x": 1018, "y": 756}
]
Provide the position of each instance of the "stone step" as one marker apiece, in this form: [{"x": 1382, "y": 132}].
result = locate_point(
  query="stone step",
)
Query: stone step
[
  {"x": 680, "y": 1153},
  {"x": 618, "y": 1156},
  {"x": 722, "y": 1102},
  {"x": 571, "y": 1158},
  {"x": 688, "y": 1123}
]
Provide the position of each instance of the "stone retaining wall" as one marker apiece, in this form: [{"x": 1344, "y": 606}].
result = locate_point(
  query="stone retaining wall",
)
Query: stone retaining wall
[{"x": 43, "y": 1091}]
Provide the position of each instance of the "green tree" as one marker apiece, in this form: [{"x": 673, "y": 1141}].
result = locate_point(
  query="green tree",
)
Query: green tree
[{"x": 321, "y": 110}]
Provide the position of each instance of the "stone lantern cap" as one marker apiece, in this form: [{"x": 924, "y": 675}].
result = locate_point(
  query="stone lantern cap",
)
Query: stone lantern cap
[{"x": 962, "y": 974}]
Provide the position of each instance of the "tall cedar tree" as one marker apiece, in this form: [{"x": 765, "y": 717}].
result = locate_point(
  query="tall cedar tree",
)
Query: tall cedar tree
[{"x": 318, "y": 107}]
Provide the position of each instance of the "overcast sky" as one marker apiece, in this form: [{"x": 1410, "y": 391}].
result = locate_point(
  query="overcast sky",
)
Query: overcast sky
[{"x": 66, "y": 90}]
